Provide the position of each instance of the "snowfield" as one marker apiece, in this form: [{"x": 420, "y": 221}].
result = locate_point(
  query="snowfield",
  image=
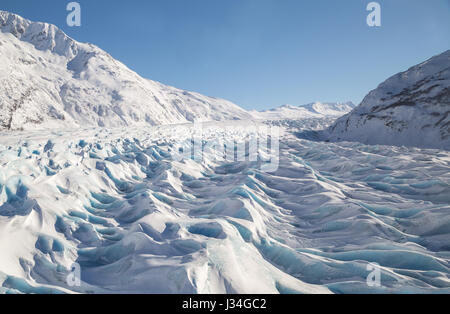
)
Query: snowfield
[{"x": 136, "y": 219}]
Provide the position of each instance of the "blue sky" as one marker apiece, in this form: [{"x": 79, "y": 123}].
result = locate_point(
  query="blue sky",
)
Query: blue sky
[{"x": 258, "y": 53}]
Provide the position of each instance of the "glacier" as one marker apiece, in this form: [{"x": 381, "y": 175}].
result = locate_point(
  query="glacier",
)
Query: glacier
[{"x": 137, "y": 220}]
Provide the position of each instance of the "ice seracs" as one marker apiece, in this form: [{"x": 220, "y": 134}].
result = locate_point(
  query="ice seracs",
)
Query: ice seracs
[
  {"x": 411, "y": 108},
  {"x": 48, "y": 80}
]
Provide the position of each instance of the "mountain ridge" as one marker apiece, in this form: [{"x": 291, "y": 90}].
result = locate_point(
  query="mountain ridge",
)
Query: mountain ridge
[
  {"x": 411, "y": 108},
  {"x": 52, "y": 81}
]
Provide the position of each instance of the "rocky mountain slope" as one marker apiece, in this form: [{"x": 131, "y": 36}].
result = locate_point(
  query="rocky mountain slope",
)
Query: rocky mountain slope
[{"x": 411, "y": 109}]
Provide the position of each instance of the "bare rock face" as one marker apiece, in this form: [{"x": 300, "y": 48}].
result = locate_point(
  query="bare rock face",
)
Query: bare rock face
[
  {"x": 411, "y": 109},
  {"x": 48, "y": 80}
]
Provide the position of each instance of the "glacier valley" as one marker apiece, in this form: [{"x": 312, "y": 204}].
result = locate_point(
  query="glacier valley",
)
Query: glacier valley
[
  {"x": 116, "y": 203},
  {"x": 99, "y": 194}
]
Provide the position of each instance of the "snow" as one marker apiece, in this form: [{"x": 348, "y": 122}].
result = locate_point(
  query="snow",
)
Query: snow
[
  {"x": 139, "y": 213},
  {"x": 313, "y": 110},
  {"x": 49, "y": 80},
  {"x": 411, "y": 108},
  {"x": 117, "y": 202}
]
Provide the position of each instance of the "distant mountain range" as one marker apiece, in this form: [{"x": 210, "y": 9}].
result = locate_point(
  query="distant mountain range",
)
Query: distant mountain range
[{"x": 312, "y": 110}]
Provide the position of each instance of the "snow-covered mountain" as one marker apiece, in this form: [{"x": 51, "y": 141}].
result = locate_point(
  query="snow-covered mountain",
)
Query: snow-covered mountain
[
  {"x": 313, "y": 110},
  {"x": 411, "y": 108},
  {"x": 49, "y": 80}
]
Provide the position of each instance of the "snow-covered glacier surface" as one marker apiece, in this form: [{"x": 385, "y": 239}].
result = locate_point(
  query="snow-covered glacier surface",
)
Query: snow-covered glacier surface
[{"x": 136, "y": 219}]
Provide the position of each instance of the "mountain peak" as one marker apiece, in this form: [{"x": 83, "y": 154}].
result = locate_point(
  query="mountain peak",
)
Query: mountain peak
[
  {"x": 42, "y": 36},
  {"x": 52, "y": 81}
]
